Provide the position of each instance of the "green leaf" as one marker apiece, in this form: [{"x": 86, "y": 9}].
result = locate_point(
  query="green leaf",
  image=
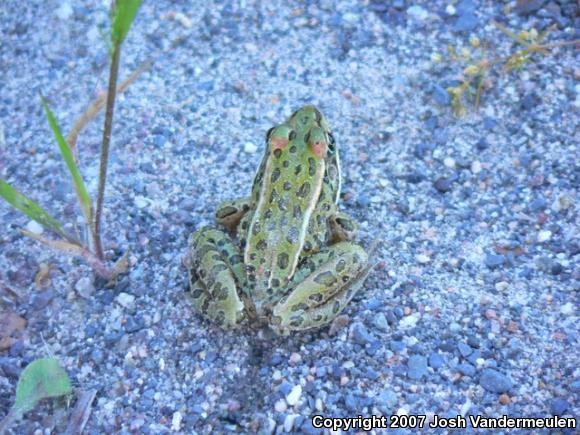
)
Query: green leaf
[
  {"x": 30, "y": 208},
  {"x": 123, "y": 14},
  {"x": 41, "y": 379},
  {"x": 80, "y": 188}
]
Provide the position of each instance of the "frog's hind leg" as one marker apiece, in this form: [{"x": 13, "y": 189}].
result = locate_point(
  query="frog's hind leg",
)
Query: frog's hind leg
[
  {"x": 322, "y": 287},
  {"x": 215, "y": 273}
]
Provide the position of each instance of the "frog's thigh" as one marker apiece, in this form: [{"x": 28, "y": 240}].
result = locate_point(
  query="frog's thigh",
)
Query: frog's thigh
[
  {"x": 215, "y": 267},
  {"x": 342, "y": 227},
  {"x": 229, "y": 213},
  {"x": 324, "y": 285}
]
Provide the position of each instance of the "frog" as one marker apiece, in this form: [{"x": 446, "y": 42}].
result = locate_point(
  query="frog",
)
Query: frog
[{"x": 285, "y": 256}]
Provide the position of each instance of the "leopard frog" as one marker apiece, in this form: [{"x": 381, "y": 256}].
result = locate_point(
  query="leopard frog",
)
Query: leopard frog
[{"x": 290, "y": 261}]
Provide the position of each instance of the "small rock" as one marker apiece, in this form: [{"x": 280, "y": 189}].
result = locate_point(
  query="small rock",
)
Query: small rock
[
  {"x": 493, "y": 261},
  {"x": 280, "y": 406},
  {"x": 294, "y": 396},
  {"x": 295, "y": 358},
  {"x": 464, "y": 349},
  {"x": 423, "y": 259},
  {"x": 417, "y": 367},
  {"x": 544, "y": 236},
  {"x": 558, "y": 406},
  {"x": 567, "y": 309},
  {"x": 381, "y": 322},
  {"x": 418, "y": 13},
  {"x": 494, "y": 381},
  {"x": 126, "y": 300},
  {"x": 501, "y": 286},
  {"x": 504, "y": 399},
  {"x": 436, "y": 360},
  {"x": 466, "y": 22},
  {"x": 250, "y": 148},
  {"x": 34, "y": 227},
  {"x": 361, "y": 335},
  {"x": 141, "y": 201},
  {"x": 441, "y": 96},
  {"x": 476, "y": 167},
  {"x": 466, "y": 369},
  {"x": 85, "y": 288},
  {"x": 289, "y": 422},
  {"x": 449, "y": 162},
  {"x": 64, "y": 11},
  {"x": 386, "y": 401},
  {"x": 176, "y": 421},
  {"x": 443, "y": 184}
]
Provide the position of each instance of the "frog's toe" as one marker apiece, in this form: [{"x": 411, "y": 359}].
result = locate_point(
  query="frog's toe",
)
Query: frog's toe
[
  {"x": 212, "y": 277},
  {"x": 230, "y": 213},
  {"x": 338, "y": 274},
  {"x": 342, "y": 227}
]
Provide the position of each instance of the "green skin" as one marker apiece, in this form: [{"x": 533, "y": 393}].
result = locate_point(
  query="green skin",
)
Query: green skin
[{"x": 294, "y": 265}]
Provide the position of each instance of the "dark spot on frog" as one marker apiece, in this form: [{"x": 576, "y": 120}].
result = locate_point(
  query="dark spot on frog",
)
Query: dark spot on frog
[
  {"x": 283, "y": 260},
  {"x": 303, "y": 191},
  {"x": 275, "y": 175},
  {"x": 292, "y": 236},
  {"x": 297, "y": 169},
  {"x": 325, "y": 278},
  {"x": 287, "y": 185},
  {"x": 311, "y": 166}
]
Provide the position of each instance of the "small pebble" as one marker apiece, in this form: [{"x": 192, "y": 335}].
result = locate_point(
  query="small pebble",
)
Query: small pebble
[
  {"x": 294, "y": 396},
  {"x": 544, "y": 236},
  {"x": 34, "y": 227},
  {"x": 250, "y": 148}
]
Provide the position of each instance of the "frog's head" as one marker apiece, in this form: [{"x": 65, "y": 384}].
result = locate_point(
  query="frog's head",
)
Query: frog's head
[{"x": 306, "y": 132}]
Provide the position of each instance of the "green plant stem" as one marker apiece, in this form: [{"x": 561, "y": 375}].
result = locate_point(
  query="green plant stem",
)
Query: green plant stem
[{"x": 111, "y": 94}]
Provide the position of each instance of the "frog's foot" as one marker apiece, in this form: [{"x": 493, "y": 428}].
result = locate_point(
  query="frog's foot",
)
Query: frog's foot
[
  {"x": 215, "y": 268},
  {"x": 342, "y": 228},
  {"x": 322, "y": 287},
  {"x": 230, "y": 213}
]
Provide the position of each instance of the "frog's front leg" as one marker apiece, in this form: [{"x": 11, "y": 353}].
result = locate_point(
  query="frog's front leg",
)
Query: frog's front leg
[
  {"x": 320, "y": 289},
  {"x": 215, "y": 273},
  {"x": 230, "y": 213}
]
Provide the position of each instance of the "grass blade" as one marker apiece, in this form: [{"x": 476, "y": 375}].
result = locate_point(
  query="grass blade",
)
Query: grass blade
[
  {"x": 30, "y": 208},
  {"x": 123, "y": 14},
  {"x": 80, "y": 188}
]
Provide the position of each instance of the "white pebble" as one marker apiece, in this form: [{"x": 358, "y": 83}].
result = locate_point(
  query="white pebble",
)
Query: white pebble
[
  {"x": 176, "y": 421},
  {"x": 449, "y": 162},
  {"x": 476, "y": 167},
  {"x": 501, "y": 286},
  {"x": 280, "y": 405},
  {"x": 141, "y": 201},
  {"x": 85, "y": 287},
  {"x": 423, "y": 259},
  {"x": 64, "y": 12},
  {"x": 126, "y": 300},
  {"x": 450, "y": 9},
  {"x": 544, "y": 236},
  {"x": 289, "y": 422},
  {"x": 294, "y": 396},
  {"x": 417, "y": 12},
  {"x": 567, "y": 309},
  {"x": 34, "y": 227},
  {"x": 250, "y": 148}
]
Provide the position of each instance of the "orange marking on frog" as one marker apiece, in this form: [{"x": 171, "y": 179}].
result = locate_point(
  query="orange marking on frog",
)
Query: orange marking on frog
[{"x": 278, "y": 142}]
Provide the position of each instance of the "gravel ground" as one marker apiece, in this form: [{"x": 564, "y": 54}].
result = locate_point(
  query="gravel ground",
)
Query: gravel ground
[{"x": 473, "y": 307}]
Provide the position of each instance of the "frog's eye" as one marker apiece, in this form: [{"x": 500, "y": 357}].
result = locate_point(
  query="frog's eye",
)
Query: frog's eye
[
  {"x": 317, "y": 141},
  {"x": 278, "y": 137}
]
